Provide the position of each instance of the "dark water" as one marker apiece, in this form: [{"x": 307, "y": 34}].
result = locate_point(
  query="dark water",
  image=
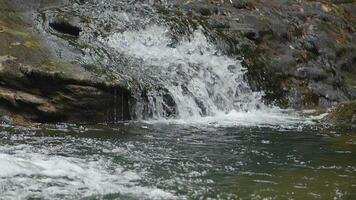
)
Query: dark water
[{"x": 165, "y": 161}]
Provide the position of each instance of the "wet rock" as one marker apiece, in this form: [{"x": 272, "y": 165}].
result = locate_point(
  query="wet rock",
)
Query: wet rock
[
  {"x": 299, "y": 53},
  {"x": 242, "y": 4},
  {"x": 311, "y": 73},
  {"x": 344, "y": 116},
  {"x": 205, "y": 11},
  {"x": 219, "y": 24},
  {"x": 66, "y": 28},
  {"x": 6, "y": 119},
  {"x": 327, "y": 91},
  {"x": 348, "y": 64},
  {"x": 299, "y": 41},
  {"x": 38, "y": 85}
]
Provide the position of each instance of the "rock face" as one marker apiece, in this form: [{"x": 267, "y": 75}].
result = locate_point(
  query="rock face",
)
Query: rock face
[
  {"x": 302, "y": 54},
  {"x": 38, "y": 86}
]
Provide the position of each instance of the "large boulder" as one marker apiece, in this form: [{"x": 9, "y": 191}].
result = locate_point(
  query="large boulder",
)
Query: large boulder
[{"x": 38, "y": 86}]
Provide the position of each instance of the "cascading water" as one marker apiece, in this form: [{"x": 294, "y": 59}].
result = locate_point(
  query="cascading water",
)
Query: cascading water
[
  {"x": 200, "y": 80},
  {"x": 173, "y": 71},
  {"x": 224, "y": 143}
]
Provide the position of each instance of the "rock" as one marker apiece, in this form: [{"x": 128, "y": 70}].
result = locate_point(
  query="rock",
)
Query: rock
[
  {"x": 296, "y": 41},
  {"x": 66, "y": 28},
  {"x": 311, "y": 73},
  {"x": 205, "y": 11},
  {"x": 299, "y": 53},
  {"x": 37, "y": 85},
  {"x": 6, "y": 120},
  {"x": 344, "y": 116},
  {"x": 353, "y": 122},
  {"x": 242, "y": 4}
]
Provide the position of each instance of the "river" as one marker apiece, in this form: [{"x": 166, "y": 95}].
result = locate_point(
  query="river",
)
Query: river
[
  {"x": 171, "y": 160},
  {"x": 199, "y": 130}
]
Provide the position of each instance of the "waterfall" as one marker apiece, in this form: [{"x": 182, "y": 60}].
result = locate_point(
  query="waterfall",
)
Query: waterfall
[
  {"x": 193, "y": 77},
  {"x": 119, "y": 106},
  {"x": 169, "y": 68}
]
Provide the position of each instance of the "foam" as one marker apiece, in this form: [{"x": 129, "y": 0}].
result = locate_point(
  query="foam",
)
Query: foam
[
  {"x": 272, "y": 118},
  {"x": 25, "y": 173},
  {"x": 201, "y": 80},
  {"x": 207, "y": 87}
]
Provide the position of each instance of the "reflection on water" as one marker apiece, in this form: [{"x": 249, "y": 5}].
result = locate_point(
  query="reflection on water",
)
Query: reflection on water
[{"x": 166, "y": 161}]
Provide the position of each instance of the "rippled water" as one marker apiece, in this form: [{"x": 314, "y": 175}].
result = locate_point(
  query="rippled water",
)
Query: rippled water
[{"x": 175, "y": 161}]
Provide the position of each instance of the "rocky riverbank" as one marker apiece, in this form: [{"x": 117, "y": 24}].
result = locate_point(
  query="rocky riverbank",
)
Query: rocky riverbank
[{"x": 302, "y": 54}]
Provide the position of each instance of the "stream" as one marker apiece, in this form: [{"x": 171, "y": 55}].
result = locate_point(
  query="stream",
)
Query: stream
[
  {"x": 199, "y": 130},
  {"x": 171, "y": 160}
]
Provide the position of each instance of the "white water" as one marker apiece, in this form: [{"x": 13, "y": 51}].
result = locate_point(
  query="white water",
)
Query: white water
[
  {"x": 206, "y": 86},
  {"x": 201, "y": 81},
  {"x": 28, "y": 172},
  {"x": 267, "y": 118}
]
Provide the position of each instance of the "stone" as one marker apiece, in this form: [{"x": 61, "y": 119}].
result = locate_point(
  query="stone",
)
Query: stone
[
  {"x": 36, "y": 85},
  {"x": 298, "y": 54},
  {"x": 66, "y": 28},
  {"x": 311, "y": 73},
  {"x": 344, "y": 116},
  {"x": 6, "y": 120}
]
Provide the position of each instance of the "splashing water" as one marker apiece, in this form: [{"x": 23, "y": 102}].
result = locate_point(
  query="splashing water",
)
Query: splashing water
[
  {"x": 62, "y": 177},
  {"x": 200, "y": 80}
]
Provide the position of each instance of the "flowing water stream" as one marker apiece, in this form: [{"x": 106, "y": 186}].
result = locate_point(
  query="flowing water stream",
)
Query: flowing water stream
[
  {"x": 200, "y": 133},
  {"x": 200, "y": 80},
  {"x": 167, "y": 161}
]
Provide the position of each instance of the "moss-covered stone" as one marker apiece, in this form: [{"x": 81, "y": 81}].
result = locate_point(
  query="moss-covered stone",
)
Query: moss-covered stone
[
  {"x": 344, "y": 116},
  {"x": 37, "y": 86}
]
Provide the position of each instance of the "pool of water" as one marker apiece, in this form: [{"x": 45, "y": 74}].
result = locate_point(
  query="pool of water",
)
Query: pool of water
[{"x": 139, "y": 160}]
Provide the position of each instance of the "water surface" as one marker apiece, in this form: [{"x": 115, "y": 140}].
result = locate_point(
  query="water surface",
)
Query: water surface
[{"x": 175, "y": 161}]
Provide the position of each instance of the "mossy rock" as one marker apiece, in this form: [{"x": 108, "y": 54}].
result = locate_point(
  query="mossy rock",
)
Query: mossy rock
[
  {"x": 344, "y": 116},
  {"x": 35, "y": 85}
]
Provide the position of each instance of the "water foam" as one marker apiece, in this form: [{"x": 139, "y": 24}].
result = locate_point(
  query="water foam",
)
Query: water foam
[
  {"x": 272, "y": 118},
  {"x": 207, "y": 87},
  {"x": 25, "y": 173},
  {"x": 201, "y": 81}
]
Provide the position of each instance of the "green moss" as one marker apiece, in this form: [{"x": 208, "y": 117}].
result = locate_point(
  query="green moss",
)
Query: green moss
[
  {"x": 32, "y": 45},
  {"x": 16, "y": 38},
  {"x": 345, "y": 111},
  {"x": 16, "y": 32},
  {"x": 342, "y": 116}
]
